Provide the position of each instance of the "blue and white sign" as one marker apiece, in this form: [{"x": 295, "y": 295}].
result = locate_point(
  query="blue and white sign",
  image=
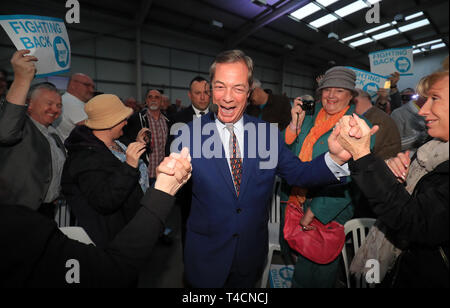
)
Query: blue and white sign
[
  {"x": 45, "y": 37},
  {"x": 280, "y": 276},
  {"x": 386, "y": 62},
  {"x": 368, "y": 81}
]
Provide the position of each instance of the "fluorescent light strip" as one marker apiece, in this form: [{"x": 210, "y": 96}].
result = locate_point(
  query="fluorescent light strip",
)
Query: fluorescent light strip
[
  {"x": 323, "y": 21},
  {"x": 349, "y": 38},
  {"x": 374, "y": 1},
  {"x": 377, "y": 28},
  {"x": 326, "y": 3},
  {"x": 361, "y": 42},
  {"x": 351, "y": 8},
  {"x": 413, "y": 16},
  {"x": 416, "y": 51},
  {"x": 429, "y": 43},
  {"x": 438, "y": 46},
  {"x": 417, "y": 24},
  {"x": 305, "y": 11},
  {"x": 385, "y": 34}
]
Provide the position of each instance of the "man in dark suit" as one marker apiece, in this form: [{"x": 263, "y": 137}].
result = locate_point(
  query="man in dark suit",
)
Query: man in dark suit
[
  {"x": 232, "y": 180},
  {"x": 31, "y": 153},
  {"x": 199, "y": 94}
]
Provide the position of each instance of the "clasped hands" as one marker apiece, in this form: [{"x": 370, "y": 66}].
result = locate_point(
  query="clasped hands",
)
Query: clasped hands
[
  {"x": 173, "y": 172},
  {"x": 353, "y": 137}
]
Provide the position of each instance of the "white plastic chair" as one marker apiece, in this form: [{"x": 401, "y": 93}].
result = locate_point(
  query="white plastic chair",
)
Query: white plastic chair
[
  {"x": 274, "y": 230},
  {"x": 358, "y": 227},
  {"x": 77, "y": 233}
]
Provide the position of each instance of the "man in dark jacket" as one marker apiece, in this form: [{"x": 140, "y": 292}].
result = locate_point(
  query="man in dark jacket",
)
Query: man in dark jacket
[
  {"x": 269, "y": 107},
  {"x": 199, "y": 94},
  {"x": 31, "y": 153}
]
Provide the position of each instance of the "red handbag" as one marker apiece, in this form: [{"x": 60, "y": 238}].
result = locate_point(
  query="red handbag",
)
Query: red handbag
[{"x": 321, "y": 245}]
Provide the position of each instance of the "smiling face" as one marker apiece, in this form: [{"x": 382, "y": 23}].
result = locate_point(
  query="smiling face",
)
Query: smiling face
[
  {"x": 230, "y": 90},
  {"x": 45, "y": 106},
  {"x": 435, "y": 110},
  {"x": 334, "y": 100}
]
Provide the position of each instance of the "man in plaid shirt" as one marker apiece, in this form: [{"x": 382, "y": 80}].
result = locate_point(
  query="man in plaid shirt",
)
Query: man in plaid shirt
[{"x": 151, "y": 118}]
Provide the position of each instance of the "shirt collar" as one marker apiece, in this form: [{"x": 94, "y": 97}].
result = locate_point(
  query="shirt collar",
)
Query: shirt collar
[
  {"x": 45, "y": 130},
  {"x": 197, "y": 111},
  {"x": 237, "y": 127}
]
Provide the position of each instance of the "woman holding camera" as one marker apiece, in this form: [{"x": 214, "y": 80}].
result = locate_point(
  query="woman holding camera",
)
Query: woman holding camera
[
  {"x": 307, "y": 137},
  {"x": 103, "y": 180}
]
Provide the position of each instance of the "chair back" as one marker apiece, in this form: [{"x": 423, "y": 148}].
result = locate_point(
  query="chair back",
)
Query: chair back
[
  {"x": 356, "y": 229},
  {"x": 274, "y": 216}
]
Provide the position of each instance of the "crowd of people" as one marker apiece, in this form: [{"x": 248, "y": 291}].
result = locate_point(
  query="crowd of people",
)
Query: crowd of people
[{"x": 120, "y": 166}]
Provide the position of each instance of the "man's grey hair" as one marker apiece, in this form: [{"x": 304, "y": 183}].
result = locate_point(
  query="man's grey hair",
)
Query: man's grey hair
[
  {"x": 256, "y": 83},
  {"x": 364, "y": 94},
  {"x": 39, "y": 86},
  {"x": 233, "y": 56}
]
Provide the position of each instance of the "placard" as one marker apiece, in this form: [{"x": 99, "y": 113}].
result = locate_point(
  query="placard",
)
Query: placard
[
  {"x": 387, "y": 62},
  {"x": 45, "y": 37}
]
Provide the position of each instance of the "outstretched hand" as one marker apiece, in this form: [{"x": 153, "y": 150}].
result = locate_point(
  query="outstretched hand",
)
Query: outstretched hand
[
  {"x": 354, "y": 136},
  {"x": 173, "y": 172}
]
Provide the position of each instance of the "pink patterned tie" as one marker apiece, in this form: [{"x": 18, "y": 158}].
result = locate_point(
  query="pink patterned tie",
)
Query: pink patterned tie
[{"x": 235, "y": 159}]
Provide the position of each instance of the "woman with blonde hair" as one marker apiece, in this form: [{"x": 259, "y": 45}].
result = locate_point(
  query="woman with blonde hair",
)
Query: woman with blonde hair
[{"x": 411, "y": 199}]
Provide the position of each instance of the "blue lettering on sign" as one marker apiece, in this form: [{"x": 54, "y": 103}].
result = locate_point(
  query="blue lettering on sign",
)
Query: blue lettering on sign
[
  {"x": 371, "y": 88},
  {"x": 36, "y": 42},
  {"x": 403, "y": 64},
  {"x": 61, "y": 51}
]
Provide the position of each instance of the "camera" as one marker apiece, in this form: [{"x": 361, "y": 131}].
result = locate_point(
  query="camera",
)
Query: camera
[
  {"x": 308, "y": 106},
  {"x": 148, "y": 141}
]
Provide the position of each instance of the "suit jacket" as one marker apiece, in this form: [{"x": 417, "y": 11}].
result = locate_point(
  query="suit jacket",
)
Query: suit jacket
[
  {"x": 224, "y": 229},
  {"x": 184, "y": 116},
  {"x": 26, "y": 161}
]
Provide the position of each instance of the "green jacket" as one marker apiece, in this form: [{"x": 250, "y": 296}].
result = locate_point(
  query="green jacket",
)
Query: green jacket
[{"x": 331, "y": 202}]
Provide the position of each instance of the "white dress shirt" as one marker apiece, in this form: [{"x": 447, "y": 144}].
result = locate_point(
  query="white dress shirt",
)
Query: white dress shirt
[
  {"x": 197, "y": 111},
  {"x": 72, "y": 113}
]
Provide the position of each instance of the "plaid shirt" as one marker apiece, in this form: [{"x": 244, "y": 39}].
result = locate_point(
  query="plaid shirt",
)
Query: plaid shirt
[{"x": 159, "y": 131}]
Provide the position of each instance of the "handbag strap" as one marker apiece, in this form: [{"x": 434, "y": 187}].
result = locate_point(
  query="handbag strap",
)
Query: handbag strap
[{"x": 444, "y": 257}]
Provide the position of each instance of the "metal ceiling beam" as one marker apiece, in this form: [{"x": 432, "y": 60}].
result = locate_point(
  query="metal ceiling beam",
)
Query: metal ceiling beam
[
  {"x": 144, "y": 9},
  {"x": 248, "y": 30},
  {"x": 443, "y": 36},
  {"x": 385, "y": 19}
]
